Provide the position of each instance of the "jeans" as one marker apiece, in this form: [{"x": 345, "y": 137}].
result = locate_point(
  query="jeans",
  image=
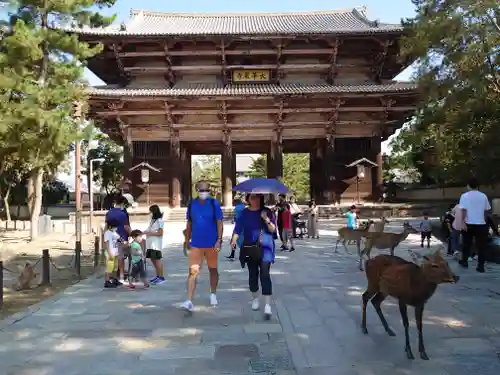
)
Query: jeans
[
  {"x": 262, "y": 269},
  {"x": 479, "y": 233},
  {"x": 455, "y": 240}
]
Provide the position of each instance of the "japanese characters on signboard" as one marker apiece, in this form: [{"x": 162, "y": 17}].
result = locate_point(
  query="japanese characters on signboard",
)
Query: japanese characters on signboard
[{"x": 251, "y": 75}]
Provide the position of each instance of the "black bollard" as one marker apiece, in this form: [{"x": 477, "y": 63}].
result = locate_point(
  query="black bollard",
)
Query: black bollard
[
  {"x": 45, "y": 267},
  {"x": 78, "y": 256},
  {"x": 97, "y": 254},
  {"x": 1, "y": 285}
]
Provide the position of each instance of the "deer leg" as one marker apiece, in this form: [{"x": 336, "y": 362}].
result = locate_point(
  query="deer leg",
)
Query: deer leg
[
  {"x": 376, "y": 302},
  {"x": 392, "y": 251},
  {"x": 419, "y": 313},
  {"x": 337, "y": 244},
  {"x": 360, "y": 254},
  {"x": 367, "y": 295},
  {"x": 345, "y": 247},
  {"x": 403, "y": 309}
]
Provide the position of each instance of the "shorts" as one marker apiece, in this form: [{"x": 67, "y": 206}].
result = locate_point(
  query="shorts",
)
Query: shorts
[
  {"x": 154, "y": 254},
  {"x": 138, "y": 269},
  {"x": 124, "y": 251},
  {"x": 111, "y": 264},
  {"x": 425, "y": 235},
  {"x": 197, "y": 254}
]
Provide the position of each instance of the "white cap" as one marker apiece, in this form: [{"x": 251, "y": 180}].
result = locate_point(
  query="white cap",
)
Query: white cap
[{"x": 130, "y": 199}]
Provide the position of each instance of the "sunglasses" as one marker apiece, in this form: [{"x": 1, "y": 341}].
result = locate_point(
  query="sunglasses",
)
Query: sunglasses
[{"x": 203, "y": 190}]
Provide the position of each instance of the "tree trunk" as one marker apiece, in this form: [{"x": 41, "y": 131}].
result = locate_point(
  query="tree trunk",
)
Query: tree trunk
[
  {"x": 35, "y": 181},
  {"x": 6, "y": 204}
]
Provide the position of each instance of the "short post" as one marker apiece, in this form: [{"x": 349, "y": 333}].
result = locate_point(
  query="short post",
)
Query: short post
[
  {"x": 45, "y": 267},
  {"x": 97, "y": 243},
  {"x": 78, "y": 255},
  {"x": 1, "y": 285}
]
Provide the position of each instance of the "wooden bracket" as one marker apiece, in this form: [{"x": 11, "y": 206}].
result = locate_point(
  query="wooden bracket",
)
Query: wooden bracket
[
  {"x": 379, "y": 62},
  {"x": 223, "y": 47},
  {"x": 121, "y": 68},
  {"x": 333, "y": 118},
  {"x": 332, "y": 70},
  {"x": 170, "y": 75},
  {"x": 280, "y": 115},
  {"x": 115, "y": 105}
]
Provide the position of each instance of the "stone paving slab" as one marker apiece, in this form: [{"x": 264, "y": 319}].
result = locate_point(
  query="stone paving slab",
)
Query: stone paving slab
[{"x": 314, "y": 331}]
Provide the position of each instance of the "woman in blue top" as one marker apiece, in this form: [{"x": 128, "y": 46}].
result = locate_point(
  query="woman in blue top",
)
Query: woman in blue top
[{"x": 256, "y": 225}]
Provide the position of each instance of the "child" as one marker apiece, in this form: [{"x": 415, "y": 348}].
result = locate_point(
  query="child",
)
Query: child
[
  {"x": 352, "y": 218},
  {"x": 138, "y": 266},
  {"x": 111, "y": 241},
  {"x": 287, "y": 229},
  {"x": 425, "y": 230}
]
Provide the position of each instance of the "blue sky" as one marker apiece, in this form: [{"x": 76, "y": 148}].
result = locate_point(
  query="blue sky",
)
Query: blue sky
[{"x": 390, "y": 11}]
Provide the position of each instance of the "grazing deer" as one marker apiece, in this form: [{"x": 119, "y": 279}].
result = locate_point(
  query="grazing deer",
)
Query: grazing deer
[
  {"x": 410, "y": 284},
  {"x": 26, "y": 277},
  {"x": 384, "y": 241},
  {"x": 346, "y": 234}
]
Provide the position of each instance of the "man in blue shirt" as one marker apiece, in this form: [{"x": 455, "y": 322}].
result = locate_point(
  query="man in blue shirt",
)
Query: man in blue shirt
[
  {"x": 203, "y": 239},
  {"x": 119, "y": 215}
]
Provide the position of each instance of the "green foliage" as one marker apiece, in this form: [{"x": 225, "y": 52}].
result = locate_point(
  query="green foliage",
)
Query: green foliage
[
  {"x": 455, "y": 132},
  {"x": 54, "y": 192},
  {"x": 208, "y": 168},
  {"x": 295, "y": 173},
  {"x": 107, "y": 174},
  {"x": 41, "y": 70}
]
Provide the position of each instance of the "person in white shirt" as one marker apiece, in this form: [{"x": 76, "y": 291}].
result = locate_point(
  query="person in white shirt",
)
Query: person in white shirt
[
  {"x": 154, "y": 243},
  {"x": 474, "y": 206},
  {"x": 111, "y": 245},
  {"x": 296, "y": 212}
]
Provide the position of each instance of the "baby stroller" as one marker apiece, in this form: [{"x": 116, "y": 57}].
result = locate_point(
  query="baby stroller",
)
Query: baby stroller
[{"x": 301, "y": 226}]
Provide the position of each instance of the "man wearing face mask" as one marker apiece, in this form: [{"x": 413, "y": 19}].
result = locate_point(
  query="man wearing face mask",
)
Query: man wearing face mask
[
  {"x": 120, "y": 216},
  {"x": 203, "y": 239}
]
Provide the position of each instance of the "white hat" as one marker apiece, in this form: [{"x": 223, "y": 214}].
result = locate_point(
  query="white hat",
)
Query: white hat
[{"x": 130, "y": 199}]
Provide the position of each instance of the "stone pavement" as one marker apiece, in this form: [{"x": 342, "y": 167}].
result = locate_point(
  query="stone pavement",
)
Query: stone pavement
[{"x": 314, "y": 331}]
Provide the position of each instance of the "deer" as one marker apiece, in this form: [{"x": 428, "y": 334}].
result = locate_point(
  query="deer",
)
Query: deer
[
  {"x": 25, "y": 278},
  {"x": 378, "y": 226},
  {"x": 383, "y": 240},
  {"x": 346, "y": 234},
  {"x": 411, "y": 284}
]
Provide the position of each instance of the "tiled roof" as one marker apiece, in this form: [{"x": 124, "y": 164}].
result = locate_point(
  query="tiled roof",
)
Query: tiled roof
[
  {"x": 345, "y": 21},
  {"x": 251, "y": 90}
]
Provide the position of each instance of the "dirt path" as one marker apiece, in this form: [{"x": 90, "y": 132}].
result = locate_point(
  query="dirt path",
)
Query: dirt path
[{"x": 16, "y": 251}]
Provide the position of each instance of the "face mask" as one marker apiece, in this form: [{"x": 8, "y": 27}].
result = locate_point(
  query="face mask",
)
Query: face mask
[{"x": 203, "y": 195}]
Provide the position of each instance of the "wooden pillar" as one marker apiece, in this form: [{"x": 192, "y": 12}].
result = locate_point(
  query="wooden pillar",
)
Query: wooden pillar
[
  {"x": 227, "y": 170},
  {"x": 377, "y": 172},
  {"x": 185, "y": 177},
  {"x": 316, "y": 172},
  {"x": 275, "y": 157},
  {"x": 176, "y": 170}
]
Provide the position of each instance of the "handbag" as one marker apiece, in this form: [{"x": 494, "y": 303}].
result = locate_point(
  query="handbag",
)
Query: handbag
[{"x": 252, "y": 252}]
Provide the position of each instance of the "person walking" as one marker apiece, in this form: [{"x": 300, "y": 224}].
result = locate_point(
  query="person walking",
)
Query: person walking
[
  {"x": 312, "y": 220},
  {"x": 296, "y": 212},
  {"x": 257, "y": 227},
  {"x": 120, "y": 216},
  {"x": 203, "y": 239},
  {"x": 239, "y": 206},
  {"x": 154, "y": 243},
  {"x": 474, "y": 205},
  {"x": 280, "y": 208}
]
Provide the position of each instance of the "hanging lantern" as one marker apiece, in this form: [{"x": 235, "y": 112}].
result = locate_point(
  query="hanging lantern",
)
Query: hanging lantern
[
  {"x": 361, "y": 170},
  {"x": 145, "y": 175}
]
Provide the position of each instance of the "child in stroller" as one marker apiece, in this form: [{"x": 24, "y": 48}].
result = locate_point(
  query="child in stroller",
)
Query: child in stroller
[{"x": 301, "y": 225}]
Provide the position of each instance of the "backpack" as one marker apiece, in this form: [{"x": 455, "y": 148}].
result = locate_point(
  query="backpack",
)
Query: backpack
[{"x": 212, "y": 203}]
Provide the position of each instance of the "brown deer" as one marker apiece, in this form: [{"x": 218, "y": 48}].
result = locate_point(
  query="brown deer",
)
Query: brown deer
[
  {"x": 410, "y": 284},
  {"x": 378, "y": 227},
  {"x": 346, "y": 235},
  {"x": 384, "y": 241},
  {"x": 25, "y": 278}
]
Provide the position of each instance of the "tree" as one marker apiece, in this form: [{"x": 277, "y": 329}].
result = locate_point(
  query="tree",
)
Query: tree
[
  {"x": 295, "y": 173},
  {"x": 208, "y": 168},
  {"x": 455, "y": 132},
  {"x": 107, "y": 174},
  {"x": 41, "y": 70}
]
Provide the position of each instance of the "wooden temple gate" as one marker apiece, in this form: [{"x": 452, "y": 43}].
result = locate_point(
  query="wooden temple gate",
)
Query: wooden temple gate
[{"x": 318, "y": 83}]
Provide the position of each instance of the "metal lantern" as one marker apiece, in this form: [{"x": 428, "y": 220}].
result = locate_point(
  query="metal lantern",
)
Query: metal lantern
[
  {"x": 361, "y": 170},
  {"x": 145, "y": 175}
]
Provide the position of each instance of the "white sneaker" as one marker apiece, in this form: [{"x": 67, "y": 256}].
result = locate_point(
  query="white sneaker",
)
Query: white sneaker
[
  {"x": 213, "y": 300},
  {"x": 255, "y": 304},
  {"x": 188, "y": 306},
  {"x": 267, "y": 311}
]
